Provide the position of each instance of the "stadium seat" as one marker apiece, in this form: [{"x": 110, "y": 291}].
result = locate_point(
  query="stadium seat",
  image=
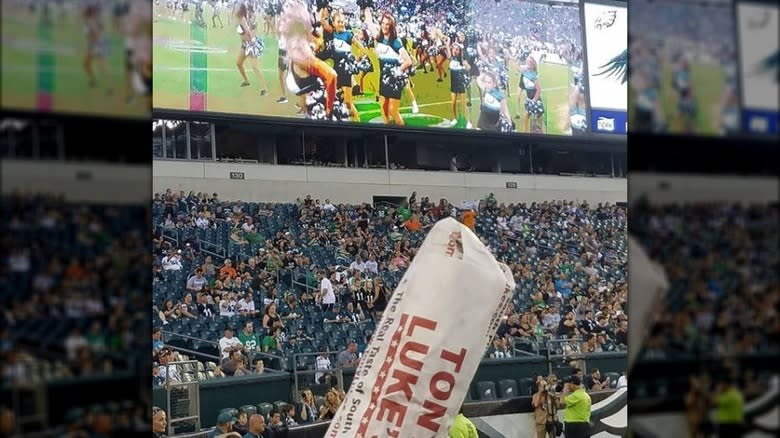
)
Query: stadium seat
[
  {"x": 249, "y": 410},
  {"x": 527, "y": 386},
  {"x": 265, "y": 408},
  {"x": 279, "y": 405},
  {"x": 613, "y": 378},
  {"x": 486, "y": 390},
  {"x": 507, "y": 388}
]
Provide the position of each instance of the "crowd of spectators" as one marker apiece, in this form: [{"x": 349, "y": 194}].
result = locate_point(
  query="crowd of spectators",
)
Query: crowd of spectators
[
  {"x": 720, "y": 312},
  {"x": 312, "y": 276},
  {"x": 292, "y": 270},
  {"x": 72, "y": 285},
  {"x": 722, "y": 264},
  {"x": 686, "y": 25}
]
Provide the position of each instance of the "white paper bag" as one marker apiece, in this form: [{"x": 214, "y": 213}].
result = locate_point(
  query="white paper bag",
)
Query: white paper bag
[
  {"x": 647, "y": 285},
  {"x": 416, "y": 372}
]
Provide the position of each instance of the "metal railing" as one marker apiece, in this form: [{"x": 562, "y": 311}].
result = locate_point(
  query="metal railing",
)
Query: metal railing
[
  {"x": 183, "y": 404},
  {"x": 212, "y": 249},
  {"x": 29, "y": 395},
  {"x": 307, "y": 378},
  {"x": 251, "y": 354},
  {"x": 171, "y": 235},
  {"x": 565, "y": 351}
]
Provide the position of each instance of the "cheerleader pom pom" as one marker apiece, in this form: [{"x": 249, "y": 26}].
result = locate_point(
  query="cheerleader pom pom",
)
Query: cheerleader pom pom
[
  {"x": 534, "y": 107},
  {"x": 506, "y": 125},
  {"x": 578, "y": 122}
]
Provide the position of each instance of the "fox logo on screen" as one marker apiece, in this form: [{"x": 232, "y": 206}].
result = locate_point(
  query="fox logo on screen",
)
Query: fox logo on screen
[
  {"x": 606, "y": 19},
  {"x": 605, "y": 124}
]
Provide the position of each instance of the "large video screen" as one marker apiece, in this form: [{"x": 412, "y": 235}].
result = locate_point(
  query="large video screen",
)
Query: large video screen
[
  {"x": 77, "y": 56},
  {"x": 606, "y": 34},
  {"x": 684, "y": 76},
  {"x": 759, "y": 62},
  {"x": 500, "y": 66}
]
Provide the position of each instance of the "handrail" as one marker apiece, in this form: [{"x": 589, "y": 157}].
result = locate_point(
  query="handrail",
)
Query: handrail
[
  {"x": 203, "y": 244},
  {"x": 166, "y": 332},
  {"x": 193, "y": 352},
  {"x": 215, "y": 343},
  {"x": 174, "y": 238}
]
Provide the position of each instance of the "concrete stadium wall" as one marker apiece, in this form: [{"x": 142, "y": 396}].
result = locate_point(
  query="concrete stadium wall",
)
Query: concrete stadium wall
[
  {"x": 285, "y": 183},
  {"x": 671, "y": 188},
  {"x": 78, "y": 182}
]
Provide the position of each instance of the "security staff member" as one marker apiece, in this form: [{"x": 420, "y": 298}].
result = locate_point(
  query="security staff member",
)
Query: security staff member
[
  {"x": 576, "y": 415},
  {"x": 729, "y": 409},
  {"x": 462, "y": 427}
]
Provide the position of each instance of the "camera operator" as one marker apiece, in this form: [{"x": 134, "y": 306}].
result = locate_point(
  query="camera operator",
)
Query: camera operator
[
  {"x": 577, "y": 402},
  {"x": 545, "y": 408}
]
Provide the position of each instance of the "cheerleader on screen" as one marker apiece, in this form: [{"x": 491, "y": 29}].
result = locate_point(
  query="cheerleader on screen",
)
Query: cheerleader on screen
[
  {"x": 394, "y": 63},
  {"x": 251, "y": 47},
  {"x": 494, "y": 111},
  {"x": 335, "y": 24},
  {"x": 308, "y": 74},
  {"x": 216, "y": 7},
  {"x": 439, "y": 52},
  {"x": 96, "y": 44},
  {"x": 458, "y": 77}
]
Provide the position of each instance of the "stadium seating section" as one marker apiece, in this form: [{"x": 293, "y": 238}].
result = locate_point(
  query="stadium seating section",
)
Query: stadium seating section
[
  {"x": 86, "y": 270},
  {"x": 720, "y": 310},
  {"x": 550, "y": 233}
]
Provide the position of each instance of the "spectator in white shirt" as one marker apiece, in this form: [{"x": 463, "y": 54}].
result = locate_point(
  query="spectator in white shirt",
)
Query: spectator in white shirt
[
  {"x": 171, "y": 262},
  {"x": 248, "y": 226},
  {"x": 197, "y": 281},
  {"x": 371, "y": 265},
  {"x": 327, "y": 206},
  {"x": 622, "y": 381},
  {"x": 322, "y": 363},
  {"x": 501, "y": 222},
  {"x": 201, "y": 221},
  {"x": 73, "y": 343},
  {"x": 166, "y": 370},
  {"x": 246, "y": 306},
  {"x": 326, "y": 296},
  {"x": 228, "y": 343},
  {"x": 358, "y": 265},
  {"x": 228, "y": 305}
]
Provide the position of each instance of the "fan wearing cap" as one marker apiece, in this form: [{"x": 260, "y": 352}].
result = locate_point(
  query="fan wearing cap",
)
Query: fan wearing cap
[
  {"x": 576, "y": 403},
  {"x": 225, "y": 422},
  {"x": 335, "y": 314},
  {"x": 167, "y": 371}
]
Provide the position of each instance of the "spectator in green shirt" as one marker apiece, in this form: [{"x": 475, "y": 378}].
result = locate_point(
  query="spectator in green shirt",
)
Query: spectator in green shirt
[
  {"x": 729, "y": 409},
  {"x": 271, "y": 342},
  {"x": 404, "y": 213},
  {"x": 576, "y": 415},
  {"x": 249, "y": 338}
]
